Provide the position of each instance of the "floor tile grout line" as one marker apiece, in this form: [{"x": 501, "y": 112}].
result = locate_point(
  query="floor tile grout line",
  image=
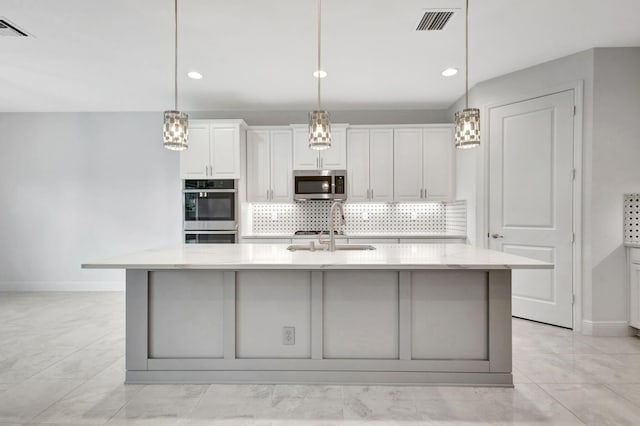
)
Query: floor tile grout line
[
  {"x": 561, "y": 404},
  {"x": 31, "y": 419},
  {"x": 608, "y": 386}
]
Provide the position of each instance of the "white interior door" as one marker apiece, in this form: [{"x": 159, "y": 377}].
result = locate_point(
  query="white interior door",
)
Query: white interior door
[{"x": 530, "y": 204}]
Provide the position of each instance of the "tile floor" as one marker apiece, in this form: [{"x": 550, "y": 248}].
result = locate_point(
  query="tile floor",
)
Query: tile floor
[{"x": 61, "y": 363}]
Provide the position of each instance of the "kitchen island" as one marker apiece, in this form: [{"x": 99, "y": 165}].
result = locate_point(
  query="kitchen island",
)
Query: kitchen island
[{"x": 255, "y": 313}]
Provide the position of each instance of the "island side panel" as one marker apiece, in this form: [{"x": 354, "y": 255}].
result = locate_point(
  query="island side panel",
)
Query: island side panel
[
  {"x": 136, "y": 309},
  {"x": 449, "y": 314},
  {"x": 500, "y": 344},
  {"x": 185, "y": 314}
]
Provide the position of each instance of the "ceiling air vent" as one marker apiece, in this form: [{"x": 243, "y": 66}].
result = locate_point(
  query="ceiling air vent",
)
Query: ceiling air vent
[
  {"x": 7, "y": 29},
  {"x": 434, "y": 20}
]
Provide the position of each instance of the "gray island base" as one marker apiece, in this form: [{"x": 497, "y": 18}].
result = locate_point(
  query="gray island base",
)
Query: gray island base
[{"x": 402, "y": 314}]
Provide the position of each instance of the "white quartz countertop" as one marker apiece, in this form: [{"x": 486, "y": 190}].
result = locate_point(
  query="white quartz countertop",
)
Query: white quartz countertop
[
  {"x": 379, "y": 235},
  {"x": 276, "y": 256}
]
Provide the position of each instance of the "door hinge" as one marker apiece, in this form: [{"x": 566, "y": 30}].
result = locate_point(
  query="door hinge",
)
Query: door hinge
[
  {"x": 572, "y": 174},
  {"x": 573, "y": 237},
  {"x": 573, "y": 299},
  {"x": 575, "y": 109}
]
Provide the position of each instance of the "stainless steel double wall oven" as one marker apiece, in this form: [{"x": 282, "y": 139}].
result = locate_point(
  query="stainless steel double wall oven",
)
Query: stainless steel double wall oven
[{"x": 210, "y": 211}]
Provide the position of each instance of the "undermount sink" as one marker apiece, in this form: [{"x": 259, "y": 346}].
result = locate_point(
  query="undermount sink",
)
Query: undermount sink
[{"x": 324, "y": 247}]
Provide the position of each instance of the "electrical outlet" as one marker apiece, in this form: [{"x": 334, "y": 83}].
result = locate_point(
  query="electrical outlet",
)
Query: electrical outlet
[
  {"x": 414, "y": 215},
  {"x": 274, "y": 216},
  {"x": 365, "y": 215},
  {"x": 288, "y": 335}
]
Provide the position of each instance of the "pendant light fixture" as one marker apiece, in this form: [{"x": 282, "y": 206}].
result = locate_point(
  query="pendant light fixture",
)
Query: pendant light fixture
[
  {"x": 468, "y": 120},
  {"x": 319, "y": 123},
  {"x": 176, "y": 124}
]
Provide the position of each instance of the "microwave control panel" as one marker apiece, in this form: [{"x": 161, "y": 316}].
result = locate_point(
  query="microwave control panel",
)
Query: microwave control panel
[{"x": 339, "y": 185}]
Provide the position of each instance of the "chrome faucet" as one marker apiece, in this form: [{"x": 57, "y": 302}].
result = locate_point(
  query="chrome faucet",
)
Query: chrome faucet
[{"x": 332, "y": 231}]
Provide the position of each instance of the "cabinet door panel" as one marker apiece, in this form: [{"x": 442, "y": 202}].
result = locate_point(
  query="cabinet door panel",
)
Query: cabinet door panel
[
  {"x": 304, "y": 158},
  {"x": 407, "y": 160},
  {"x": 438, "y": 161},
  {"x": 225, "y": 152},
  {"x": 258, "y": 165},
  {"x": 335, "y": 158},
  {"x": 381, "y": 165},
  {"x": 358, "y": 165},
  {"x": 281, "y": 175},
  {"x": 195, "y": 160}
]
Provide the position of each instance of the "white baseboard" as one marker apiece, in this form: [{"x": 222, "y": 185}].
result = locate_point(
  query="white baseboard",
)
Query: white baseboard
[
  {"x": 607, "y": 328},
  {"x": 62, "y": 286}
]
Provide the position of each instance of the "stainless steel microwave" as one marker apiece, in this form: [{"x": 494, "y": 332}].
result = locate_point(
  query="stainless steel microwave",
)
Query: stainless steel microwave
[{"x": 319, "y": 185}]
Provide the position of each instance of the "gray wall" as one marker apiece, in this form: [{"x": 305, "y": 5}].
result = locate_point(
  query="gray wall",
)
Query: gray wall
[
  {"x": 80, "y": 186},
  {"x": 615, "y": 170},
  {"x": 610, "y": 151}
]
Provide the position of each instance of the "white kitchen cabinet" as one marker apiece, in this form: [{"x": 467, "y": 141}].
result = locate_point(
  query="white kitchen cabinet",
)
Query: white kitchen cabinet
[
  {"x": 269, "y": 176},
  {"x": 214, "y": 150},
  {"x": 634, "y": 287},
  {"x": 334, "y": 158},
  {"x": 370, "y": 165},
  {"x": 424, "y": 164}
]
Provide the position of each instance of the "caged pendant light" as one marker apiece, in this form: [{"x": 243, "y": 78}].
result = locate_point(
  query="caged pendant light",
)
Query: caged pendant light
[
  {"x": 467, "y": 121},
  {"x": 175, "y": 131},
  {"x": 319, "y": 122}
]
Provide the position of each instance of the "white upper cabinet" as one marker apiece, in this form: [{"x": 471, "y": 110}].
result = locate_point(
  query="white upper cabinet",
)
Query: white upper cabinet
[
  {"x": 194, "y": 162},
  {"x": 370, "y": 165},
  {"x": 358, "y": 165},
  {"x": 334, "y": 158},
  {"x": 258, "y": 165},
  {"x": 438, "y": 164},
  {"x": 407, "y": 160},
  {"x": 381, "y": 164},
  {"x": 214, "y": 150},
  {"x": 269, "y": 156},
  {"x": 424, "y": 164},
  {"x": 281, "y": 172}
]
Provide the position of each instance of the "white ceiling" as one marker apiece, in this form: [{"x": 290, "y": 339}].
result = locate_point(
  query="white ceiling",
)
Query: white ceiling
[{"x": 117, "y": 55}]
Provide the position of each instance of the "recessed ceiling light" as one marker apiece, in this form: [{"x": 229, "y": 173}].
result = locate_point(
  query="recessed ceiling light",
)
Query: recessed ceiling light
[
  {"x": 320, "y": 74},
  {"x": 194, "y": 75},
  {"x": 450, "y": 72}
]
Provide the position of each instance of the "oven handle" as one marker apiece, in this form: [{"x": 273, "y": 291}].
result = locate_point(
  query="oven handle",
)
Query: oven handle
[
  {"x": 212, "y": 232},
  {"x": 191, "y": 191}
]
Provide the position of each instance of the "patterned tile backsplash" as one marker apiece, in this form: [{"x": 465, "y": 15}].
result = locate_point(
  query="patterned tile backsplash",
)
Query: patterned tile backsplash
[
  {"x": 632, "y": 218},
  {"x": 375, "y": 218}
]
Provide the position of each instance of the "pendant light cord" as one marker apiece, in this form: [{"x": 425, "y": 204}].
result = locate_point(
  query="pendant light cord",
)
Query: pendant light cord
[
  {"x": 175, "y": 56},
  {"x": 466, "y": 58},
  {"x": 319, "y": 41}
]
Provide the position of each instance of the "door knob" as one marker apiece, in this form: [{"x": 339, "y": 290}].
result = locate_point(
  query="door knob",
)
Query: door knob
[{"x": 497, "y": 236}]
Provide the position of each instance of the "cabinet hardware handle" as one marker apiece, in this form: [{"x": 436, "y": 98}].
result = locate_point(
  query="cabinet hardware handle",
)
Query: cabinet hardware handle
[
  {"x": 267, "y": 195},
  {"x": 372, "y": 193},
  {"x": 497, "y": 236},
  {"x": 272, "y": 195},
  {"x": 425, "y": 194},
  {"x": 421, "y": 193}
]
